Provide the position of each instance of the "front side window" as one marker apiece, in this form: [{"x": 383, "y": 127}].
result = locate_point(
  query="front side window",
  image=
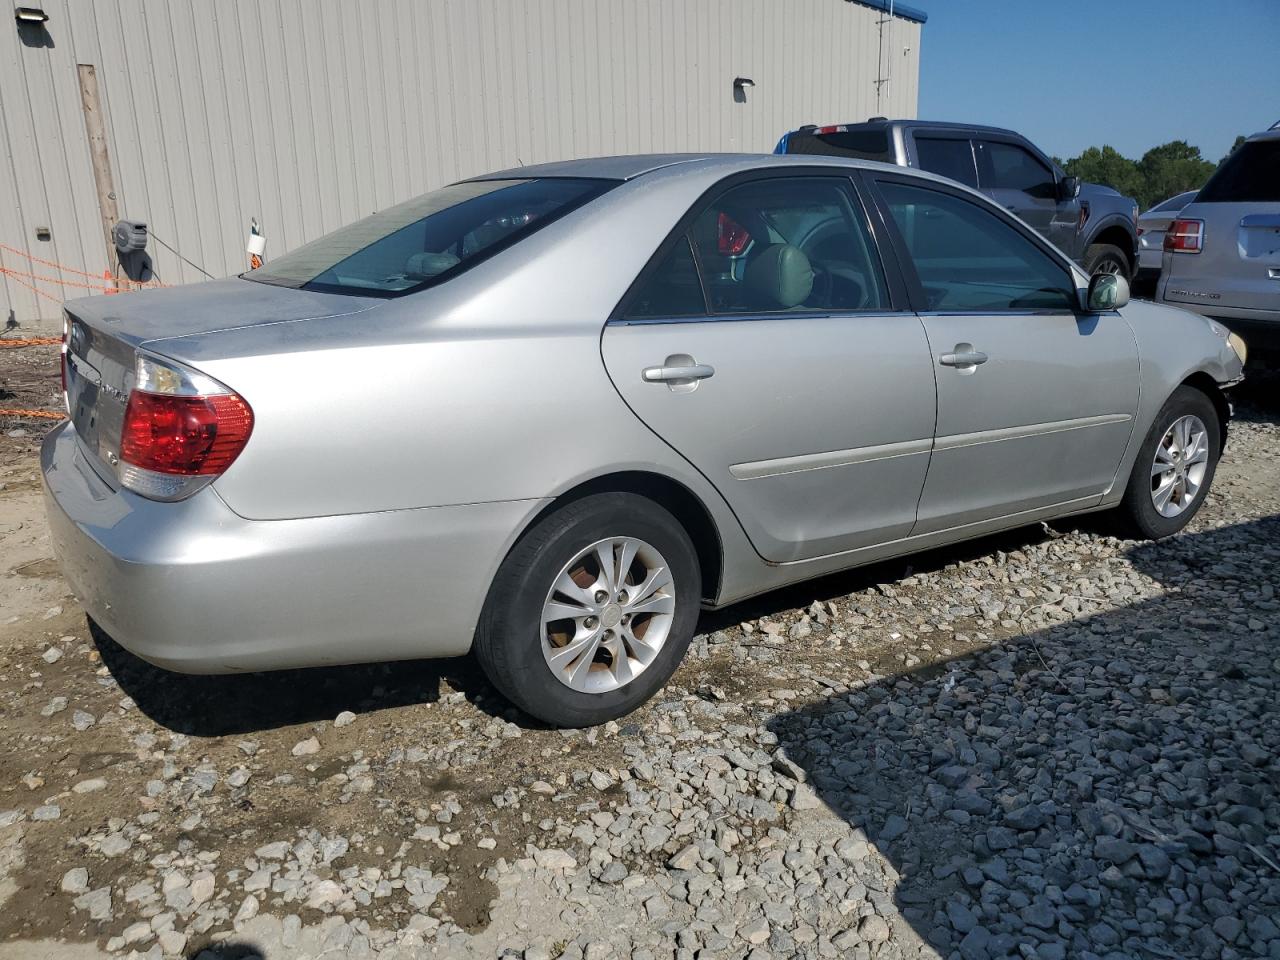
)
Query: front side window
[
  {"x": 947, "y": 158},
  {"x": 787, "y": 244},
  {"x": 429, "y": 239},
  {"x": 1006, "y": 166},
  {"x": 969, "y": 260}
]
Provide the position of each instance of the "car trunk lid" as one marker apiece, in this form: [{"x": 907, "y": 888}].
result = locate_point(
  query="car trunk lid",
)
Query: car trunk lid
[{"x": 104, "y": 334}]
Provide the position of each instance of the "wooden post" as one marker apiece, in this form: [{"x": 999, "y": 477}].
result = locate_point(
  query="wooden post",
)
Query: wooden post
[{"x": 96, "y": 129}]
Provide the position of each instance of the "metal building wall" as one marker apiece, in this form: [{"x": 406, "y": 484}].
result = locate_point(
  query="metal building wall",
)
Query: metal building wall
[{"x": 312, "y": 113}]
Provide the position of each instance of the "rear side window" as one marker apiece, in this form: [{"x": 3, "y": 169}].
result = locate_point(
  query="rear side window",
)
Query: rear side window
[
  {"x": 429, "y": 239},
  {"x": 1006, "y": 166},
  {"x": 970, "y": 260},
  {"x": 673, "y": 289},
  {"x": 778, "y": 245},
  {"x": 864, "y": 144},
  {"x": 947, "y": 158},
  {"x": 1250, "y": 175}
]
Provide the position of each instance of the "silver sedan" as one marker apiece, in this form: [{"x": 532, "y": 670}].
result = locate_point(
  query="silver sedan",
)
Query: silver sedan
[
  {"x": 1151, "y": 230},
  {"x": 547, "y": 415}
]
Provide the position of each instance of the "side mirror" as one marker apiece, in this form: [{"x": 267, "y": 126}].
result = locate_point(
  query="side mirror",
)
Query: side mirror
[
  {"x": 1107, "y": 291},
  {"x": 1068, "y": 188}
]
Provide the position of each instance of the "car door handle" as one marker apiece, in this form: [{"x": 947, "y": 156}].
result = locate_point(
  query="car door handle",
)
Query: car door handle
[
  {"x": 963, "y": 358},
  {"x": 696, "y": 371}
]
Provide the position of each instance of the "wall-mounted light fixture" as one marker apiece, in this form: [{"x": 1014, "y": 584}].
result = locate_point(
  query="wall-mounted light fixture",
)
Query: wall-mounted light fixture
[
  {"x": 30, "y": 15},
  {"x": 740, "y": 82}
]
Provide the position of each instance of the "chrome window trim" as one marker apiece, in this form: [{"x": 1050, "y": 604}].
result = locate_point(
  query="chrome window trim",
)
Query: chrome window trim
[{"x": 756, "y": 317}]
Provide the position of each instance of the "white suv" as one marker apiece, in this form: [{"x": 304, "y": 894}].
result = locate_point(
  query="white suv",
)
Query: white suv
[{"x": 1222, "y": 253}]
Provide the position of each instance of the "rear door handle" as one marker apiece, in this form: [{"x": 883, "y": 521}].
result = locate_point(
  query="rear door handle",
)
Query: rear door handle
[
  {"x": 964, "y": 356},
  {"x": 696, "y": 371}
]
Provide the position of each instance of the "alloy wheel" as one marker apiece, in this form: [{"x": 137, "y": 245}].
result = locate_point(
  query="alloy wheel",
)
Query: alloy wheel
[
  {"x": 1179, "y": 465},
  {"x": 607, "y": 615}
]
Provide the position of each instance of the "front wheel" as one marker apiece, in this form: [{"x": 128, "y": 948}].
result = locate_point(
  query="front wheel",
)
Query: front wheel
[
  {"x": 592, "y": 611},
  {"x": 1175, "y": 466},
  {"x": 1105, "y": 258}
]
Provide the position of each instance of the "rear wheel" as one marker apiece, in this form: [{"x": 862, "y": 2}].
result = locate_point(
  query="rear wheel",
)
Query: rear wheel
[
  {"x": 1175, "y": 466},
  {"x": 1105, "y": 258},
  {"x": 592, "y": 611}
]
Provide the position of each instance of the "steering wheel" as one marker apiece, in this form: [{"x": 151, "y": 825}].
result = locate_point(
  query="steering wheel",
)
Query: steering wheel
[{"x": 824, "y": 282}]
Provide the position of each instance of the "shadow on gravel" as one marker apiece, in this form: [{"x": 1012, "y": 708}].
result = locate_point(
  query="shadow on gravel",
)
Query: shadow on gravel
[
  {"x": 1105, "y": 787},
  {"x": 214, "y": 706},
  {"x": 231, "y": 950}
]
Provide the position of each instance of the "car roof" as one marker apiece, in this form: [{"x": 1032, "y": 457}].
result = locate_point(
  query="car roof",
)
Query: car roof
[
  {"x": 1272, "y": 134},
  {"x": 630, "y": 167},
  {"x": 924, "y": 125}
]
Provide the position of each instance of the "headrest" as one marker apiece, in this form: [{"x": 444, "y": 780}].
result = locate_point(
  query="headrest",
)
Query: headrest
[
  {"x": 424, "y": 266},
  {"x": 782, "y": 274}
]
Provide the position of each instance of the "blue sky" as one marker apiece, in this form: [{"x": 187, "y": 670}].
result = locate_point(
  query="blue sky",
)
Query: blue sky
[{"x": 1080, "y": 73}]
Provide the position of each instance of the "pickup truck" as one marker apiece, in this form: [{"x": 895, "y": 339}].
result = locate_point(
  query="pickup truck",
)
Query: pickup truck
[{"x": 1092, "y": 224}]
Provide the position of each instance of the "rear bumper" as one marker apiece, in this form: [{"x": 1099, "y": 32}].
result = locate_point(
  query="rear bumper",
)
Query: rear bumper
[{"x": 193, "y": 587}]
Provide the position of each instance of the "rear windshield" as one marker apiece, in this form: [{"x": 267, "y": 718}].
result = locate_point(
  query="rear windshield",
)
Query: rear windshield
[
  {"x": 1250, "y": 175},
  {"x": 1174, "y": 203},
  {"x": 864, "y": 144},
  {"x": 429, "y": 239}
]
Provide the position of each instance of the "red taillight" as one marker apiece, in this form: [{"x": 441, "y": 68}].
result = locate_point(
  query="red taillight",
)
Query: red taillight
[
  {"x": 188, "y": 435},
  {"x": 1185, "y": 236},
  {"x": 830, "y": 128},
  {"x": 731, "y": 236}
]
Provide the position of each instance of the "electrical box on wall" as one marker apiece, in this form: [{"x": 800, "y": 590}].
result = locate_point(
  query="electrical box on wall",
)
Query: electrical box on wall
[{"x": 129, "y": 235}]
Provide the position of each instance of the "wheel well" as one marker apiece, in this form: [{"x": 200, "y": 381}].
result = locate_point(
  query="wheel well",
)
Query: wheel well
[
  {"x": 1117, "y": 237},
  {"x": 674, "y": 496},
  {"x": 1209, "y": 387}
]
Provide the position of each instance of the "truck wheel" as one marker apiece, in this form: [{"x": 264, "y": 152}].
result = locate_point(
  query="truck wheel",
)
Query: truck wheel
[{"x": 1105, "y": 258}]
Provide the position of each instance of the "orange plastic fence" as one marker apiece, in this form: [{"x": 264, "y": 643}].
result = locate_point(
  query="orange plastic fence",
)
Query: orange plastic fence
[
  {"x": 103, "y": 284},
  {"x": 38, "y": 414},
  {"x": 29, "y": 342}
]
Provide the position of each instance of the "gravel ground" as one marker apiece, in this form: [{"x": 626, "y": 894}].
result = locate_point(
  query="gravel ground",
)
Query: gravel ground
[{"x": 1050, "y": 744}]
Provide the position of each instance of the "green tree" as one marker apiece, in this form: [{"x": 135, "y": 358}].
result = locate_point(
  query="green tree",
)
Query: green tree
[
  {"x": 1163, "y": 171},
  {"x": 1107, "y": 166},
  {"x": 1172, "y": 168}
]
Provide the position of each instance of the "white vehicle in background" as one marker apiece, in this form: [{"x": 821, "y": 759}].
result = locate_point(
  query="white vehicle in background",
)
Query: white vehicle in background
[
  {"x": 1151, "y": 228},
  {"x": 1222, "y": 252}
]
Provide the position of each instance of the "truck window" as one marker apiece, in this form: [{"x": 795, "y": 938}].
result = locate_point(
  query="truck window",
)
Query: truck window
[
  {"x": 863, "y": 144},
  {"x": 1007, "y": 166},
  {"x": 947, "y": 158}
]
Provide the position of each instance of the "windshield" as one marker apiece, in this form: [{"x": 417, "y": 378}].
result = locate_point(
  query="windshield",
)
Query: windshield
[{"x": 429, "y": 239}]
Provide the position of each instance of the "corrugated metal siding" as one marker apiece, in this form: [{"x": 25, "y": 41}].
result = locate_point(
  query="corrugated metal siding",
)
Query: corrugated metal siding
[{"x": 312, "y": 113}]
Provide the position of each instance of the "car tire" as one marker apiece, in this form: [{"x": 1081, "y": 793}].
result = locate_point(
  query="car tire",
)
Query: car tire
[
  {"x": 1106, "y": 258},
  {"x": 556, "y": 567},
  {"x": 1140, "y": 512}
]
